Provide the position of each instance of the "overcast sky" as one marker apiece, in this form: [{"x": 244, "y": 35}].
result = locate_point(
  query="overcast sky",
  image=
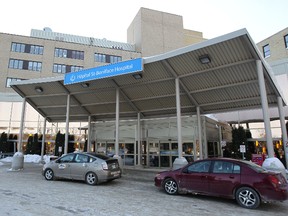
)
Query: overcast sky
[{"x": 110, "y": 18}]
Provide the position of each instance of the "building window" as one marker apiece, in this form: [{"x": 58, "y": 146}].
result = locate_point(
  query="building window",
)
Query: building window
[
  {"x": 266, "y": 51},
  {"x": 9, "y": 80},
  {"x": 286, "y": 40},
  {"x": 34, "y": 66},
  {"x": 99, "y": 57},
  {"x": 115, "y": 59},
  {"x": 25, "y": 65},
  {"x": 61, "y": 53},
  {"x": 16, "y": 64},
  {"x": 66, "y": 53},
  {"x": 27, "y": 48},
  {"x": 59, "y": 68},
  {"x": 74, "y": 68}
]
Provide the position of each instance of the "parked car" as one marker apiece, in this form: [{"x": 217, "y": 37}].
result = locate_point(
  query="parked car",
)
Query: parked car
[
  {"x": 247, "y": 182},
  {"x": 90, "y": 167}
]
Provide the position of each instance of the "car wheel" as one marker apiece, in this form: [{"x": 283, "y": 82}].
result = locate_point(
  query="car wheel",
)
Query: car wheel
[
  {"x": 91, "y": 178},
  {"x": 170, "y": 186},
  {"x": 49, "y": 174},
  {"x": 247, "y": 198}
]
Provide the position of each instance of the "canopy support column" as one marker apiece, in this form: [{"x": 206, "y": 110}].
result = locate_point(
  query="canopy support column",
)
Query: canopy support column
[
  {"x": 180, "y": 161},
  {"x": 89, "y": 135},
  {"x": 283, "y": 128},
  {"x": 199, "y": 133},
  {"x": 263, "y": 94},
  {"x": 20, "y": 143},
  {"x": 67, "y": 125},
  {"x": 117, "y": 131},
  {"x": 43, "y": 140},
  {"x": 139, "y": 139}
]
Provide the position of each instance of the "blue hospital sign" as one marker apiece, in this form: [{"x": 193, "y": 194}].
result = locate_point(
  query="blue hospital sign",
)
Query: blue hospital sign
[{"x": 121, "y": 68}]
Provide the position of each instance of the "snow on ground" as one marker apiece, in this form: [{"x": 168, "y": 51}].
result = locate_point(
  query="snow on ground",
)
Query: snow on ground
[{"x": 27, "y": 159}]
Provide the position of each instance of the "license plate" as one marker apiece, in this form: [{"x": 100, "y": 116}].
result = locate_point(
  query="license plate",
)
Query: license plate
[{"x": 115, "y": 173}]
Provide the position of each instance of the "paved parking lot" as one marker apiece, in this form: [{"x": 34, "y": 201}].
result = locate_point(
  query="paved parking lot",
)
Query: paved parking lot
[{"x": 27, "y": 193}]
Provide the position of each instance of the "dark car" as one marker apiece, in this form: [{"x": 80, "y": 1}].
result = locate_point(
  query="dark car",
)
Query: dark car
[
  {"x": 89, "y": 167},
  {"x": 247, "y": 182}
]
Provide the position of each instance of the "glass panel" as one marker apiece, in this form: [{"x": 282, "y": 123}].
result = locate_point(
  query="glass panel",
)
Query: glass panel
[{"x": 188, "y": 150}]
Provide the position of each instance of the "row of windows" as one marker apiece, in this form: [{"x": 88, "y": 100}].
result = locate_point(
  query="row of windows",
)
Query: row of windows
[
  {"x": 37, "y": 66},
  {"x": 60, "y": 68},
  {"x": 266, "y": 48},
  {"x": 66, "y": 53},
  {"x": 99, "y": 57},
  {"x": 63, "y": 53},
  {"x": 27, "y": 48},
  {"x": 25, "y": 65}
]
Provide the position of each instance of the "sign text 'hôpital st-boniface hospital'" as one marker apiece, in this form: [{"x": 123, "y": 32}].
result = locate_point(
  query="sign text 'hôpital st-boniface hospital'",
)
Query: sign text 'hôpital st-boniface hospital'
[{"x": 120, "y": 68}]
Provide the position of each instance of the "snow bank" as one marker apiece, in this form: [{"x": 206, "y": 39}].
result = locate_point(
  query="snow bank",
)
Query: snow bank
[{"x": 27, "y": 159}]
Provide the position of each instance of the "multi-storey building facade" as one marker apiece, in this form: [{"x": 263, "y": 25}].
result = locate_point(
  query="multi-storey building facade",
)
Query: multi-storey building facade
[
  {"x": 48, "y": 54},
  {"x": 275, "y": 51}
]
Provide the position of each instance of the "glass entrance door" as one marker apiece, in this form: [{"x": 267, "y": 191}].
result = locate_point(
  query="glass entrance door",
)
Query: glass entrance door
[{"x": 168, "y": 153}]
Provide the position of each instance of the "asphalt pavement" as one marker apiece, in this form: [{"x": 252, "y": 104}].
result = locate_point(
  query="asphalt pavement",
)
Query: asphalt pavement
[{"x": 27, "y": 193}]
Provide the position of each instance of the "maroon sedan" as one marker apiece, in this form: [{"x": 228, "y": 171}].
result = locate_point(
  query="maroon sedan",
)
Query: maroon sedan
[{"x": 244, "y": 181}]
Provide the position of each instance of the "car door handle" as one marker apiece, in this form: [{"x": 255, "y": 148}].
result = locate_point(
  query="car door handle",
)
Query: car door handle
[{"x": 231, "y": 177}]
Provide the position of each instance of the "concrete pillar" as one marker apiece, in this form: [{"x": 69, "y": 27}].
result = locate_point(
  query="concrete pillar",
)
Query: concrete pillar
[
  {"x": 265, "y": 109},
  {"x": 67, "y": 125},
  {"x": 283, "y": 128},
  {"x": 43, "y": 139},
  {"x": 89, "y": 134},
  {"x": 180, "y": 161}
]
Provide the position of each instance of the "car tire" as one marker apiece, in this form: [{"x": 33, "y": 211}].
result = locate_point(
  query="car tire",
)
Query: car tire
[
  {"x": 91, "y": 178},
  {"x": 247, "y": 198},
  {"x": 49, "y": 174},
  {"x": 170, "y": 186}
]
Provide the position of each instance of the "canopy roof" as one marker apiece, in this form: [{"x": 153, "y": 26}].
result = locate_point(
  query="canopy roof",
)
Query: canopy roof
[{"x": 228, "y": 83}]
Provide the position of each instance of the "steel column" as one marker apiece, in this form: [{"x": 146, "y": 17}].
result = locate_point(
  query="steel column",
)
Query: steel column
[
  {"x": 67, "y": 125},
  {"x": 263, "y": 94},
  {"x": 199, "y": 132},
  {"x": 117, "y": 123},
  {"x": 179, "y": 125},
  {"x": 43, "y": 139},
  {"x": 19, "y": 146},
  {"x": 283, "y": 128},
  {"x": 89, "y": 134}
]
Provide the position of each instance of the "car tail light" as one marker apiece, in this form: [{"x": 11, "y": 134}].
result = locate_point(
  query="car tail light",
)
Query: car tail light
[
  {"x": 104, "y": 166},
  {"x": 274, "y": 180}
]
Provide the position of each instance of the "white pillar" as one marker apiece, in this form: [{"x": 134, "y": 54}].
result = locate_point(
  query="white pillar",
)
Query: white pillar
[
  {"x": 220, "y": 141},
  {"x": 263, "y": 94},
  {"x": 179, "y": 124},
  {"x": 19, "y": 146},
  {"x": 43, "y": 139},
  {"x": 89, "y": 135},
  {"x": 199, "y": 133},
  {"x": 138, "y": 139},
  {"x": 117, "y": 124},
  {"x": 180, "y": 161},
  {"x": 117, "y": 131},
  {"x": 67, "y": 125},
  {"x": 283, "y": 128}
]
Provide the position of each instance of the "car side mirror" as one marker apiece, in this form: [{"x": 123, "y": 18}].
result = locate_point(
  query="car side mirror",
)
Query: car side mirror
[{"x": 185, "y": 170}]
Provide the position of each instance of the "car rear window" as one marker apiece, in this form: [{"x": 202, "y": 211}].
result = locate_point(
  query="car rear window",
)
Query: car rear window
[
  {"x": 101, "y": 156},
  {"x": 254, "y": 166}
]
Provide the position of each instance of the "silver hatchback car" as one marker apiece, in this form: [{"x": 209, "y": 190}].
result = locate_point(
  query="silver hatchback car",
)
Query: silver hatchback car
[{"x": 89, "y": 167}]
